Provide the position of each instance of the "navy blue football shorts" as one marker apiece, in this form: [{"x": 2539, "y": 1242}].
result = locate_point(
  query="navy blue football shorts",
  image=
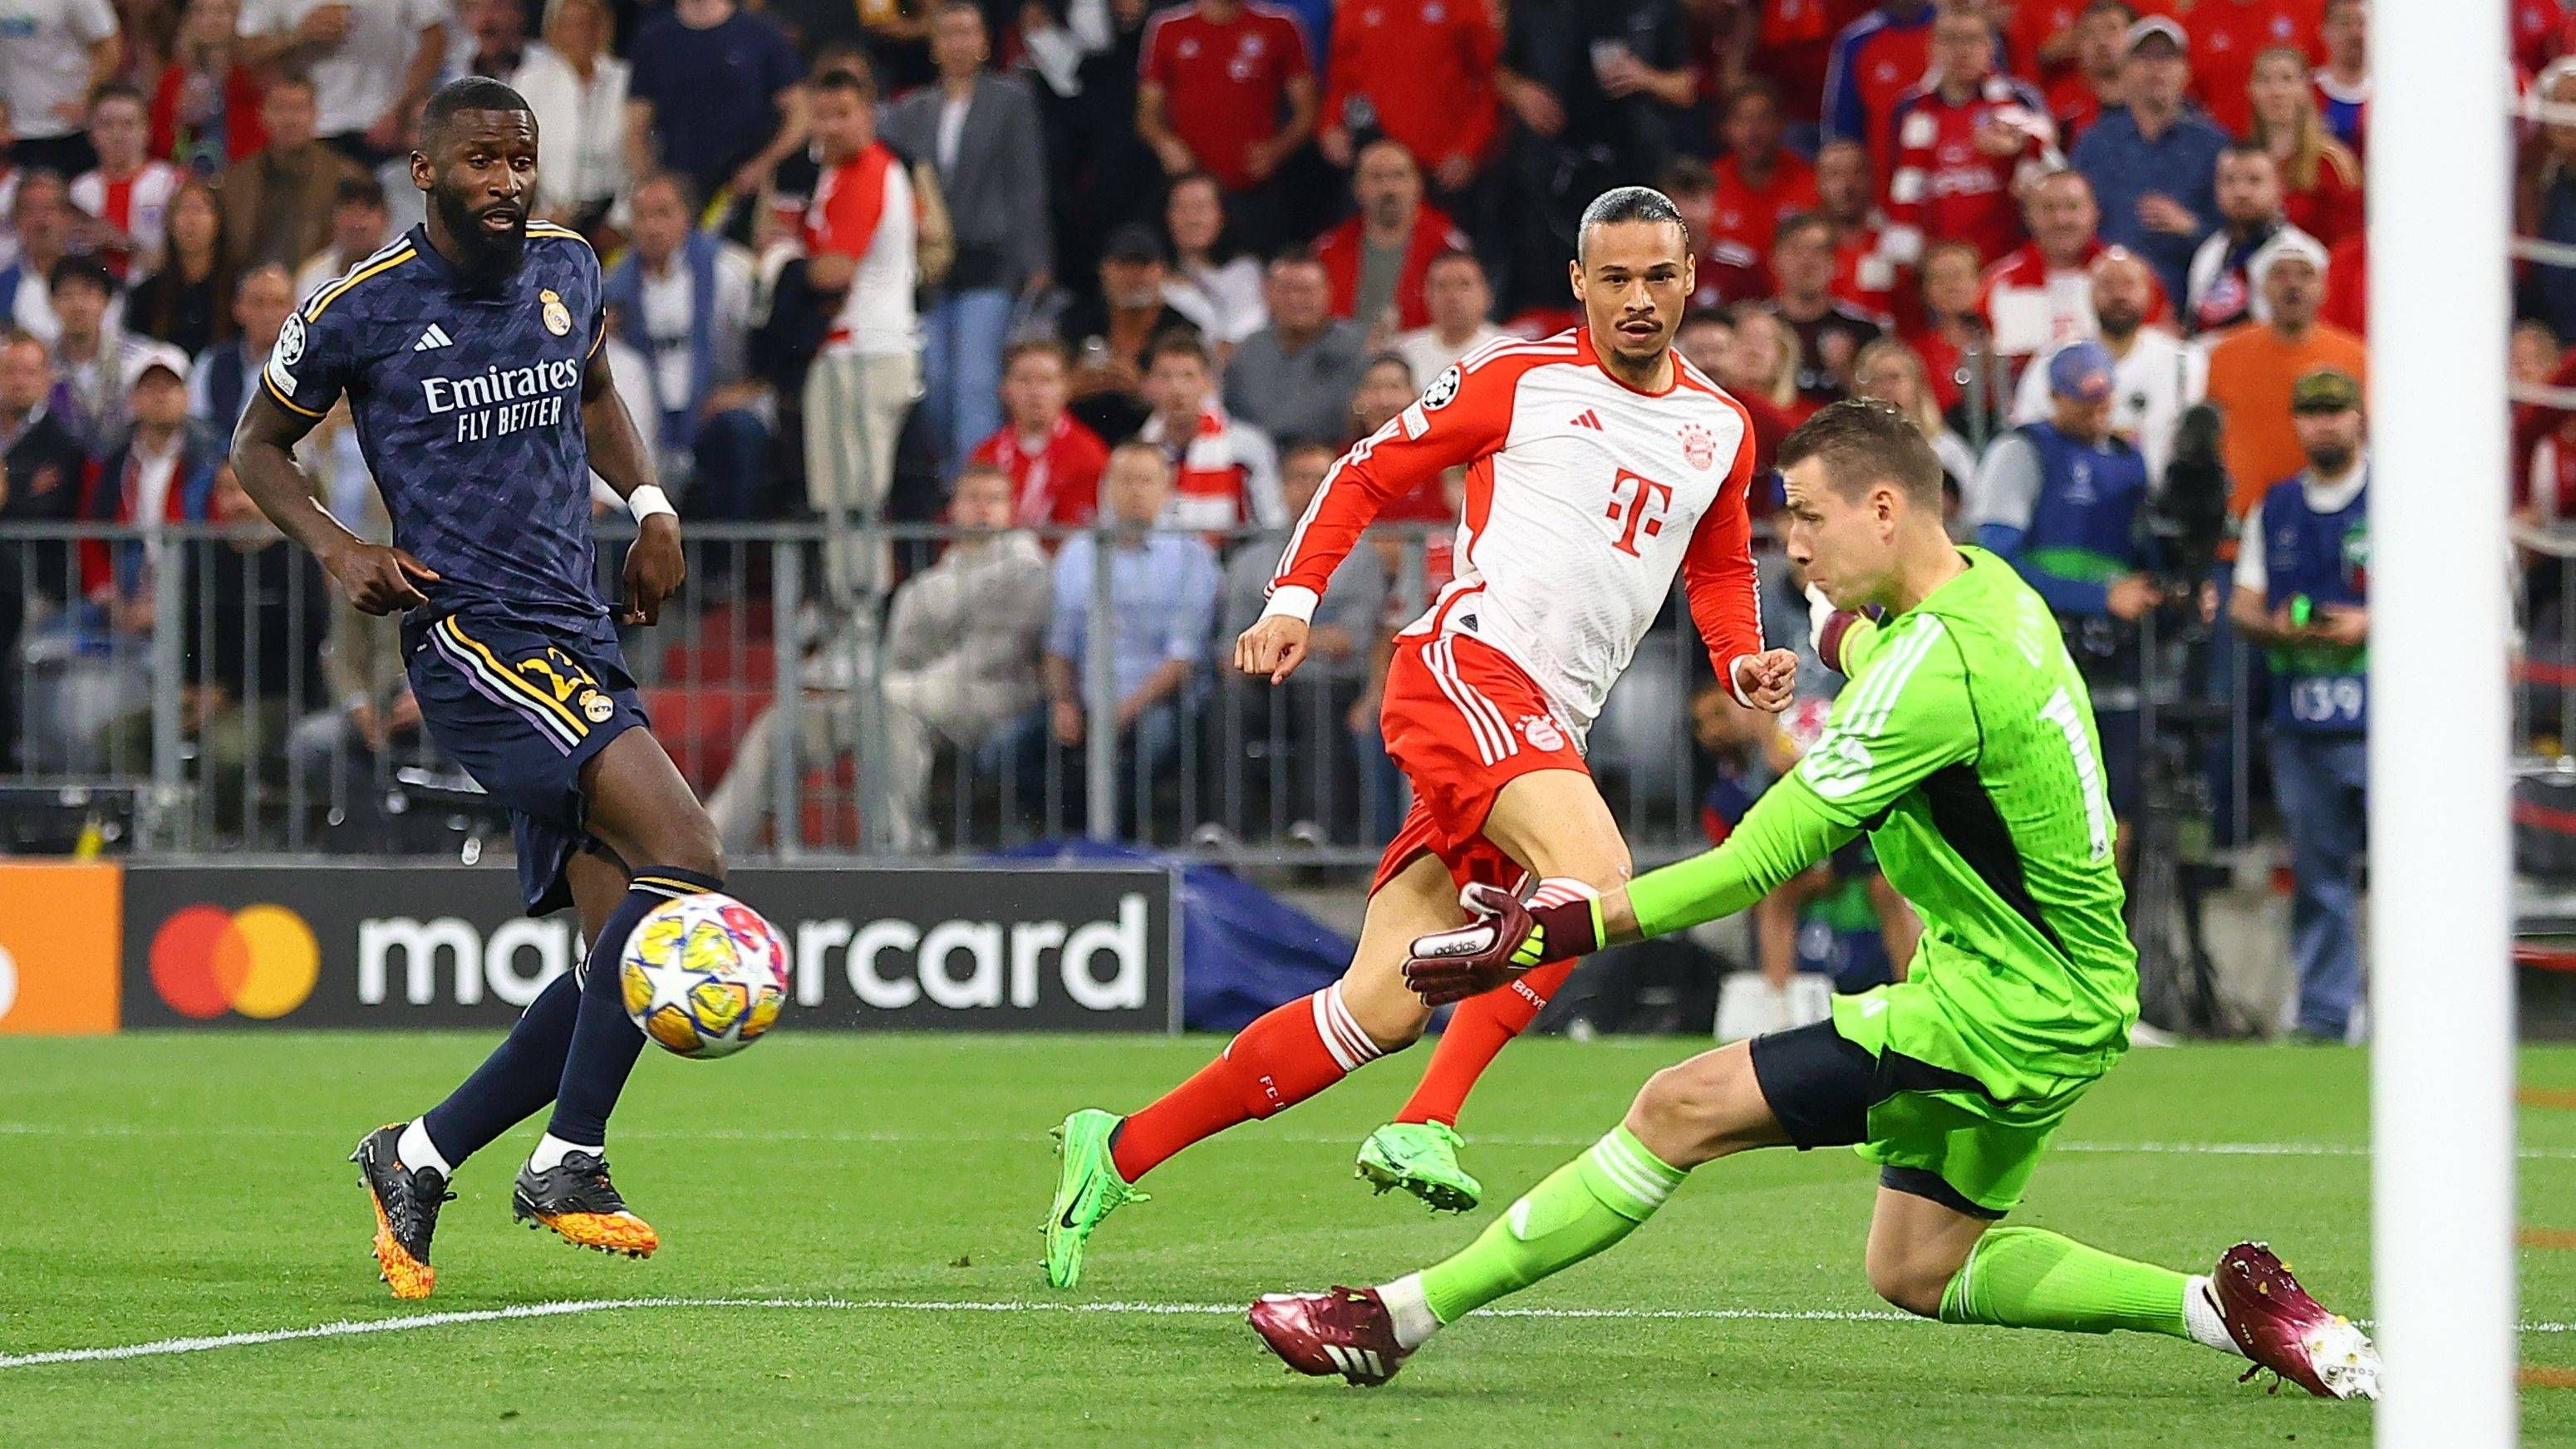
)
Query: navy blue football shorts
[{"x": 523, "y": 705}]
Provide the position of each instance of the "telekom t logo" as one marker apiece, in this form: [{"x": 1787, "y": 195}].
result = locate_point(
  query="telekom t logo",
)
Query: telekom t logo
[{"x": 1638, "y": 505}]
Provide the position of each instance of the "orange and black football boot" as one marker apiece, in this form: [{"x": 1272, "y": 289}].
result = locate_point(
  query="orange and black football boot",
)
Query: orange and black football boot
[
  {"x": 575, "y": 1199},
  {"x": 406, "y": 1200}
]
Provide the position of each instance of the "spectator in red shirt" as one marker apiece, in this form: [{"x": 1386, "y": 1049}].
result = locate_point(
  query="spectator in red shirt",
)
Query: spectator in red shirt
[
  {"x": 1053, "y": 460},
  {"x": 1225, "y": 88},
  {"x": 2226, "y": 35},
  {"x": 2079, "y": 95},
  {"x": 125, "y": 199},
  {"x": 1866, "y": 271},
  {"x": 1707, "y": 341},
  {"x": 1729, "y": 271},
  {"x": 2041, "y": 294},
  {"x": 1420, "y": 71},
  {"x": 1876, "y": 60},
  {"x": 1967, "y": 141},
  {"x": 205, "y": 102},
  {"x": 2040, "y": 38},
  {"x": 1788, "y": 43},
  {"x": 1376, "y": 261},
  {"x": 2320, "y": 177},
  {"x": 1759, "y": 182}
]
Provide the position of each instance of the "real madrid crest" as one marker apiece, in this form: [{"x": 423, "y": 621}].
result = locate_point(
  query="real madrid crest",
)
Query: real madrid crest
[{"x": 558, "y": 316}]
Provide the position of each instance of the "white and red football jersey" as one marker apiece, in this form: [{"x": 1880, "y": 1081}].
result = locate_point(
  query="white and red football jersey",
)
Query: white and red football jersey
[
  {"x": 1584, "y": 498},
  {"x": 1944, "y": 186},
  {"x": 1225, "y": 474},
  {"x": 137, "y": 206}
]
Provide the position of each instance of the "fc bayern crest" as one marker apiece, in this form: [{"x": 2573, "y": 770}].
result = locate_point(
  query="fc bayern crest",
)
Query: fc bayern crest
[
  {"x": 1700, "y": 446},
  {"x": 1542, "y": 732},
  {"x": 558, "y": 316}
]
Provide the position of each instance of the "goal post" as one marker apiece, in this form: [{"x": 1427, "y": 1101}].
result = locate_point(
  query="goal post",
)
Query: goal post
[{"x": 2441, "y": 980}]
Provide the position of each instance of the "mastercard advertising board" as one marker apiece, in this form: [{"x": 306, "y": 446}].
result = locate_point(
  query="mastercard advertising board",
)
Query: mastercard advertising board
[
  {"x": 332, "y": 945},
  {"x": 58, "y": 947},
  {"x": 369, "y": 944}
]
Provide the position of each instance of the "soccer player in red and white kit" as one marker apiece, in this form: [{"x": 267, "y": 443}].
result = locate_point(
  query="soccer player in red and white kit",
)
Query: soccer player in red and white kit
[{"x": 1600, "y": 464}]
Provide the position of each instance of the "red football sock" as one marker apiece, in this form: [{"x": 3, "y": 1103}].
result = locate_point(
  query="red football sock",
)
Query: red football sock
[
  {"x": 1290, "y": 1054},
  {"x": 1477, "y": 1032}
]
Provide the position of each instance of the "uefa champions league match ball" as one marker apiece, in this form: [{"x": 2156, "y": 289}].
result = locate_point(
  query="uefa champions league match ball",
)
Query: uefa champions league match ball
[{"x": 704, "y": 975}]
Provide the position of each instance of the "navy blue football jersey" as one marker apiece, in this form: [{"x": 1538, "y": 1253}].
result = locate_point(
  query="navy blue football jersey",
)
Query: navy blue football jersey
[{"x": 467, "y": 403}]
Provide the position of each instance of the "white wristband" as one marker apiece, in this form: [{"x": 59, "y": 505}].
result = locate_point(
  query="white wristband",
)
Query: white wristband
[
  {"x": 1292, "y": 601},
  {"x": 650, "y": 501}
]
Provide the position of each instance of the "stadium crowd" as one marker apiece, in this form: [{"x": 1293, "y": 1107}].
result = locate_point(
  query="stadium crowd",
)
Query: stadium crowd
[{"x": 1018, "y": 263}]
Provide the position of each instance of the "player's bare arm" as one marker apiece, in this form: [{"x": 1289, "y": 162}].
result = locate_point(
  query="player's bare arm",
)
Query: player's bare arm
[
  {"x": 377, "y": 577},
  {"x": 655, "y": 566}
]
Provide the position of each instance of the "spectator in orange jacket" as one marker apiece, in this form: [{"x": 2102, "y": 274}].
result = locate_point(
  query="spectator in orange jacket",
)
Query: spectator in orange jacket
[{"x": 1377, "y": 260}]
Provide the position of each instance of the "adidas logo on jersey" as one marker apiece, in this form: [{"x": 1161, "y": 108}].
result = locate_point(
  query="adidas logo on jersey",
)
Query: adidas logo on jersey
[
  {"x": 436, "y": 336},
  {"x": 1589, "y": 419}
]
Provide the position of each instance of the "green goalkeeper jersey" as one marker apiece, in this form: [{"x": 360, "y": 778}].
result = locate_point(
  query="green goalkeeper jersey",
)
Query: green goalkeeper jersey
[{"x": 1965, "y": 745}]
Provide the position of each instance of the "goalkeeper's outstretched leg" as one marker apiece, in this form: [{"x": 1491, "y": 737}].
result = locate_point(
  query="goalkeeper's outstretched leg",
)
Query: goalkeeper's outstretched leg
[{"x": 1934, "y": 1248}]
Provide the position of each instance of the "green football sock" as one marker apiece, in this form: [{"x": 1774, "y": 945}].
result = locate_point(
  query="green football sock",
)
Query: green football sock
[
  {"x": 2033, "y": 1278},
  {"x": 1582, "y": 1208}
]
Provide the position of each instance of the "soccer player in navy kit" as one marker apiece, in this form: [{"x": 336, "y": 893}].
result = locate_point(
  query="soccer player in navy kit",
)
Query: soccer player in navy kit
[{"x": 469, "y": 352}]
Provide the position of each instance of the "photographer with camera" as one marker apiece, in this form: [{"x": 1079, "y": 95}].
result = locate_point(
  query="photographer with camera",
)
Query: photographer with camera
[
  {"x": 2061, "y": 501},
  {"x": 2302, "y": 594}
]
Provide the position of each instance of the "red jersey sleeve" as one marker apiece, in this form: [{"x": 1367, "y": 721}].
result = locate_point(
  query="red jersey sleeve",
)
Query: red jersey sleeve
[
  {"x": 1719, "y": 576},
  {"x": 1154, "y": 64},
  {"x": 1290, "y": 37},
  {"x": 1464, "y": 415}
]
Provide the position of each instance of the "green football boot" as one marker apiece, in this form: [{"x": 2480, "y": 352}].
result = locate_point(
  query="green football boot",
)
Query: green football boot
[
  {"x": 1421, "y": 1158},
  {"x": 1087, "y": 1189}
]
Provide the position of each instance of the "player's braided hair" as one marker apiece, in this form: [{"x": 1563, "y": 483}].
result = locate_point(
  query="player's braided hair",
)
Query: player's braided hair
[
  {"x": 1626, "y": 204},
  {"x": 468, "y": 93},
  {"x": 1864, "y": 441}
]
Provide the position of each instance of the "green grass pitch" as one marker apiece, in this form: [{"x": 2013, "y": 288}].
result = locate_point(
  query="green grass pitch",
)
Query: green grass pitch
[{"x": 164, "y": 1186}]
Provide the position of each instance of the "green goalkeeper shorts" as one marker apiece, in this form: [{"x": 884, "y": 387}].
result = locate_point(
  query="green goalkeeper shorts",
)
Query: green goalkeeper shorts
[{"x": 1934, "y": 1132}]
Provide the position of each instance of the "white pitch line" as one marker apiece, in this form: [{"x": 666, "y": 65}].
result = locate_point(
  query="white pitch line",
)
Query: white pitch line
[
  {"x": 1302, "y": 1139},
  {"x": 345, "y": 1328},
  {"x": 352, "y": 1327}
]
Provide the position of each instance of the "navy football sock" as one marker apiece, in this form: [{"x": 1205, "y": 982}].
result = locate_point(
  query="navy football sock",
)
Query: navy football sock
[
  {"x": 518, "y": 1078},
  {"x": 605, "y": 1041}
]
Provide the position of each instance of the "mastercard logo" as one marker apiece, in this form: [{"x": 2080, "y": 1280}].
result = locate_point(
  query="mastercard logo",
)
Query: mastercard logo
[{"x": 260, "y": 961}]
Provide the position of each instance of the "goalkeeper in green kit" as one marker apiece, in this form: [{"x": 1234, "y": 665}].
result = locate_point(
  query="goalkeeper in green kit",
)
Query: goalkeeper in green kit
[{"x": 1964, "y": 745}]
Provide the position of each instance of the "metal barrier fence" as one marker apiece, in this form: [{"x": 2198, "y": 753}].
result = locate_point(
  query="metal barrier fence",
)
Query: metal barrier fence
[{"x": 199, "y": 687}]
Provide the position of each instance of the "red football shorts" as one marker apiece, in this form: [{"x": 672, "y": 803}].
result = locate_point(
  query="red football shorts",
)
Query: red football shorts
[{"x": 1462, "y": 721}]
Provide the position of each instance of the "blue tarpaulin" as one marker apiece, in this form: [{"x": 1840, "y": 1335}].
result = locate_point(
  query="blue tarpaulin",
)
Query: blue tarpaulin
[{"x": 1243, "y": 951}]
